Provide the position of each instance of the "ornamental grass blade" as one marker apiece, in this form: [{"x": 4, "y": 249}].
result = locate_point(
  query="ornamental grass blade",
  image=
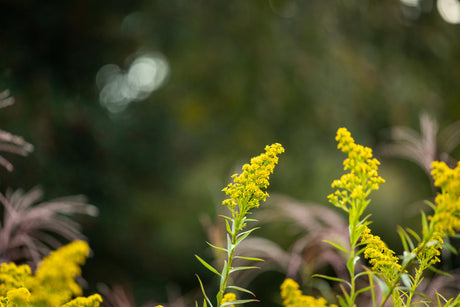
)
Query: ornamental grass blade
[
  {"x": 241, "y": 289},
  {"x": 207, "y": 265},
  {"x": 339, "y": 247},
  {"x": 204, "y": 293}
]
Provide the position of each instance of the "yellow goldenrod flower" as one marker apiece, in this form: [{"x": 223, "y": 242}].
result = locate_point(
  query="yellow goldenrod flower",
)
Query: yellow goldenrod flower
[
  {"x": 90, "y": 301},
  {"x": 13, "y": 276},
  {"x": 379, "y": 255},
  {"x": 292, "y": 296},
  {"x": 248, "y": 188},
  {"x": 228, "y": 297},
  {"x": 18, "y": 297},
  {"x": 362, "y": 177},
  {"x": 446, "y": 218}
]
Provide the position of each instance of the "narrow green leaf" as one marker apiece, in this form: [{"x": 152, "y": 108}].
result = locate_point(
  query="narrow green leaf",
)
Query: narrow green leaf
[
  {"x": 363, "y": 290},
  {"x": 339, "y": 247},
  {"x": 237, "y": 302},
  {"x": 242, "y": 268},
  {"x": 431, "y": 268},
  {"x": 249, "y": 258},
  {"x": 216, "y": 247},
  {"x": 342, "y": 302},
  {"x": 250, "y": 220},
  {"x": 429, "y": 203},
  {"x": 243, "y": 235},
  {"x": 226, "y": 217},
  {"x": 204, "y": 293},
  {"x": 227, "y": 225},
  {"x": 332, "y": 278},
  {"x": 450, "y": 248},
  {"x": 402, "y": 234},
  {"x": 241, "y": 289},
  {"x": 414, "y": 234},
  {"x": 207, "y": 265}
]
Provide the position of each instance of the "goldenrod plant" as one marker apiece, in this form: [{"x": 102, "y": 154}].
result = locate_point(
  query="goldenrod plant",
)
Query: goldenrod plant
[
  {"x": 397, "y": 277},
  {"x": 292, "y": 296},
  {"x": 245, "y": 193},
  {"x": 53, "y": 283}
]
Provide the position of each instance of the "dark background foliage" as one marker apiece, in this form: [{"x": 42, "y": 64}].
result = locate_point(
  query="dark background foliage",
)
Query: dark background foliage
[{"x": 242, "y": 74}]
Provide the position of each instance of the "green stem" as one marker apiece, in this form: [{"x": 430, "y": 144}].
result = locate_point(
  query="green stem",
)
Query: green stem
[{"x": 236, "y": 227}]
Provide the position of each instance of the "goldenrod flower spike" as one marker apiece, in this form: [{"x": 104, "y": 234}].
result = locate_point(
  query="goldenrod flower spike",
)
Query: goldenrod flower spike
[
  {"x": 248, "y": 188},
  {"x": 446, "y": 218},
  {"x": 379, "y": 255},
  {"x": 362, "y": 177},
  {"x": 293, "y": 297}
]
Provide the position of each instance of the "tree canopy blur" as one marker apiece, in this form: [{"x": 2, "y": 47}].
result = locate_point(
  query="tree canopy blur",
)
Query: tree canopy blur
[{"x": 147, "y": 107}]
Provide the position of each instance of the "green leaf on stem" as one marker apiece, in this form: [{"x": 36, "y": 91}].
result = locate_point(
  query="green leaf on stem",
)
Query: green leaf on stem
[
  {"x": 243, "y": 235},
  {"x": 207, "y": 265},
  {"x": 216, "y": 247},
  {"x": 241, "y": 289},
  {"x": 204, "y": 292},
  {"x": 242, "y": 268},
  {"x": 332, "y": 278},
  {"x": 249, "y": 258},
  {"x": 237, "y": 302},
  {"x": 339, "y": 247}
]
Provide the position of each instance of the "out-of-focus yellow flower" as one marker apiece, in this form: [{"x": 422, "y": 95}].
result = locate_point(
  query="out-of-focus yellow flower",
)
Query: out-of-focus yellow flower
[
  {"x": 248, "y": 188},
  {"x": 18, "y": 297},
  {"x": 93, "y": 300},
  {"x": 446, "y": 218},
  {"x": 13, "y": 276},
  {"x": 292, "y": 296},
  {"x": 53, "y": 284},
  {"x": 228, "y": 297}
]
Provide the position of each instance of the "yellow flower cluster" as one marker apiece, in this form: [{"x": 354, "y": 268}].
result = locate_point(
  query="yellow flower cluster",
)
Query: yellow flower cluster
[
  {"x": 292, "y": 296},
  {"x": 379, "y": 255},
  {"x": 446, "y": 218},
  {"x": 247, "y": 189},
  {"x": 362, "y": 177},
  {"x": 228, "y": 297},
  {"x": 52, "y": 285}
]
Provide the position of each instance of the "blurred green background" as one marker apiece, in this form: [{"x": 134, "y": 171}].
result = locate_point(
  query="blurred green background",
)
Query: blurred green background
[{"x": 148, "y": 107}]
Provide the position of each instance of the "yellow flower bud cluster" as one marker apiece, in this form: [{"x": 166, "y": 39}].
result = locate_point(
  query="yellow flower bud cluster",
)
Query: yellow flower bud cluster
[
  {"x": 53, "y": 284},
  {"x": 292, "y": 296},
  {"x": 446, "y": 218},
  {"x": 379, "y": 255},
  {"x": 248, "y": 188},
  {"x": 362, "y": 177},
  {"x": 228, "y": 297}
]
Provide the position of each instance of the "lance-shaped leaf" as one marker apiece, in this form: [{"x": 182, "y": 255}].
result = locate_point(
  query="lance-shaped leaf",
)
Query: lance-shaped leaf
[
  {"x": 207, "y": 265},
  {"x": 204, "y": 293}
]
